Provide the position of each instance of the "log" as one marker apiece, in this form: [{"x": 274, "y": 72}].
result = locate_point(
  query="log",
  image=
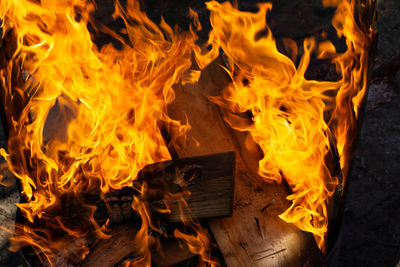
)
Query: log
[{"x": 254, "y": 234}]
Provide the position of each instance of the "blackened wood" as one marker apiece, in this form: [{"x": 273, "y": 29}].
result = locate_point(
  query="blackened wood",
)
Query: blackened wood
[
  {"x": 206, "y": 184},
  {"x": 207, "y": 181},
  {"x": 120, "y": 249}
]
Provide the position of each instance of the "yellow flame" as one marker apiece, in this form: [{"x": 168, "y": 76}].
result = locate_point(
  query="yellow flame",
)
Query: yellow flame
[
  {"x": 94, "y": 114},
  {"x": 288, "y": 111}
]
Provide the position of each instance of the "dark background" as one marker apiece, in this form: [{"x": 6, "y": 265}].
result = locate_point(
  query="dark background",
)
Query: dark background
[{"x": 371, "y": 231}]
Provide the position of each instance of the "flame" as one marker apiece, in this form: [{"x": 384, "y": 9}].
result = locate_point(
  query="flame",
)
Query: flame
[
  {"x": 352, "y": 65},
  {"x": 93, "y": 114},
  {"x": 288, "y": 112}
]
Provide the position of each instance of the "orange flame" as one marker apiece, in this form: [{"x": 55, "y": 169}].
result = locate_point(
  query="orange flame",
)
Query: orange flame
[
  {"x": 288, "y": 112},
  {"x": 93, "y": 116}
]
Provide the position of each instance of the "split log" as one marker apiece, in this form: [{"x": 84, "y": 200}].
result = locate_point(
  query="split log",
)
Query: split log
[
  {"x": 254, "y": 235},
  {"x": 207, "y": 181},
  {"x": 112, "y": 251}
]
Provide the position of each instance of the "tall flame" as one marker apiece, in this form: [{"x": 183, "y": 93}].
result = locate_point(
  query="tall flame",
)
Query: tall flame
[
  {"x": 292, "y": 118},
  {"x": 93, "y": 116}
]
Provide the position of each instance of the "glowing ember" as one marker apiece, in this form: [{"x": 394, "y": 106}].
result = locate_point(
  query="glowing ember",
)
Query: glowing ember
[{"x": 112, "y": 102}]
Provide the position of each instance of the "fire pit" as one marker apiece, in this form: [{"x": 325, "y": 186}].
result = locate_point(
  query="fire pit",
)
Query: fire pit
[{"x": 127, "y": 150}]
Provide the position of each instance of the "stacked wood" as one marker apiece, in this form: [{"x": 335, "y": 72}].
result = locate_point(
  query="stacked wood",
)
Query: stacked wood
[{"x": 206, "y": 183}]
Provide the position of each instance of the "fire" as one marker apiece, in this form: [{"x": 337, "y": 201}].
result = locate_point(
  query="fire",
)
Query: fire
[
  {"x": 292, "y": 118},
  {"x": 93, "y": 115}
]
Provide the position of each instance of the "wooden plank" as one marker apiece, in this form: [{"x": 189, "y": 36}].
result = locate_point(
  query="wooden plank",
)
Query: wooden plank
[
  {"x": 207, "y": 179},
  {"x": 254, "y": 235},
  {"x": 206, "y": 183}
]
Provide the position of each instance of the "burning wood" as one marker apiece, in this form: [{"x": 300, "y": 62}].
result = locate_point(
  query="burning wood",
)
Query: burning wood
[
  {"x": 208, "y": 181},
  {"x": 205, "y": 183},
  {"x": 293, "y": 136},
  {"x": 250, "y": 229}
]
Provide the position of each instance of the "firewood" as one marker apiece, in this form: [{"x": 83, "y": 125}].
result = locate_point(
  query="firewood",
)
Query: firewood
[
  {"x": 109, "y": 252},
  {"x": 206, "y": 183},
  {"x": 251, "y": 228},
  {"x": 208, "y": 180}
]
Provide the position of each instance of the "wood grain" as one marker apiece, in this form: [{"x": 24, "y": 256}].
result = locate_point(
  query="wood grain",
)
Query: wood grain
[{"x": 208, "y": 181}]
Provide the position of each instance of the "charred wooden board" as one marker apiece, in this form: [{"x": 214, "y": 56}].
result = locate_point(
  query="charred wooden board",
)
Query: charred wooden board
[
  {"x": 205, "y": 183},
  {"x": 208, "y": 181}
]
